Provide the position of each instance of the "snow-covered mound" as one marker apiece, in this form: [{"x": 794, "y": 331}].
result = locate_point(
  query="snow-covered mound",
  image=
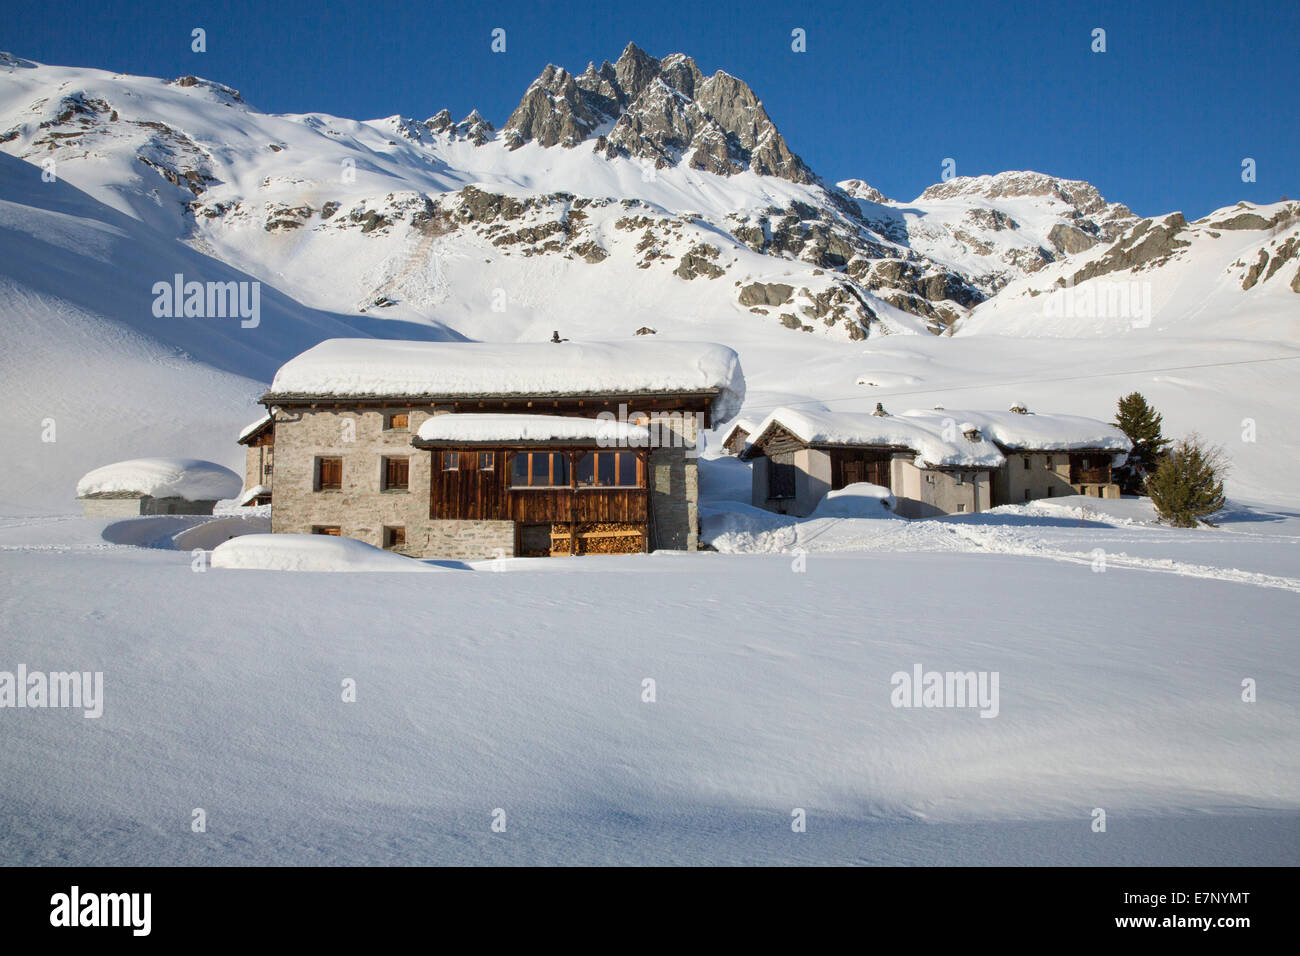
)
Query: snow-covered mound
[
  {"x": 350, "y": 367},
  {"x": 859, "y": 500},
  {"x": 308, "y": 552},
  {"x": 187, "y": 478}
]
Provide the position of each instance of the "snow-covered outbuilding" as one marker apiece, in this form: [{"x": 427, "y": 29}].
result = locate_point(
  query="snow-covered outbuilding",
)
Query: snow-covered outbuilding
[
  {"x": 476, "y": 450},
  {"x": 155, "y": 486},
  {"x": 934, "y": 461},
  {"x": 735, "y": 439},
  {"x": 258, "y": 439}
]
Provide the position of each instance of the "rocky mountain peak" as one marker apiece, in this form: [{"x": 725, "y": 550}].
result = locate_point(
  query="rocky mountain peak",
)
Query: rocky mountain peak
[{"x": 663, "y": 111}]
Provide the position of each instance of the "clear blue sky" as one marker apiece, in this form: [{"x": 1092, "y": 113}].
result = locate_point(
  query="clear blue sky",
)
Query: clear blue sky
[{"x": 885, "y": 92}]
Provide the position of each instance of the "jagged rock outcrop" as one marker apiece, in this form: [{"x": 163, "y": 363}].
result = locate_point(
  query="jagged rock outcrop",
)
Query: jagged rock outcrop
[{"x": 662, "y": 111}]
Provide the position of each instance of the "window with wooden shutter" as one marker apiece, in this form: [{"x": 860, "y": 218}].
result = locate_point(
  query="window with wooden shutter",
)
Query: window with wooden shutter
[
  {"x": 329, "y": 474},
  {"x": 397, "y": 473},
  {"x": 330, "y": 529},
  {"x": 394, "y": 537},
  {"x": 399, "y": 421}
]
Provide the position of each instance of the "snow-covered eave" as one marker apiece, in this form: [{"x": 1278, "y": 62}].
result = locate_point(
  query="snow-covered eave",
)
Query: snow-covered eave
[
  {"x": 594, "y": 444},
  {"x": 255, "y": 429},
  {"x": 253, "y": 493},
  {"x": 1041, "y": 448}
]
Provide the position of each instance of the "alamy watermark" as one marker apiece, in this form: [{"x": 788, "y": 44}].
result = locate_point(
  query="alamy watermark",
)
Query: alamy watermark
[
  {"x": 1101, "y": 299},
  {"x": 922, "y": 688},
  {"x": 632, "y": 429},
  {"x": 208, "y": 300},
  {"x": 37, "y": 689}
]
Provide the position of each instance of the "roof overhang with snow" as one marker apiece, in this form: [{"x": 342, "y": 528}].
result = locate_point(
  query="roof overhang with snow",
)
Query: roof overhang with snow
[
  {"x": 255, "y": 429},
  {"x": 496, "y": 430}
]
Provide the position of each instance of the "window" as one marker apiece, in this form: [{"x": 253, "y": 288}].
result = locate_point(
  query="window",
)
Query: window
[
  {"x": 780, "y": 479},
  {"x": 331, "y": 529},
  {"x": 961, "y": 478},
  {"x": 609, "y": 469},
  {"x": 1026, "y": 462},
  {"x": 1026, "y": 494},
  {"x": 394, "y": 537},
  {"x": 487, "y": 460},
  {"x": 329, "y": 474},
  {"x": 539, "y": 469},
  {"x": 1050, "y": 491},
  {"x": 397, "y": 472},
  {"x": 961, "y": 508},
  {"x": 1048, "y": 463},
  {"x": 398, "y": 421},
  {"x": 451, "y": 461}
]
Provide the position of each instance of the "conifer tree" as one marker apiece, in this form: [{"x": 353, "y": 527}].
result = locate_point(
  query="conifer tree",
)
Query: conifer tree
[
  {"x": 1187, "y": 487},
  {"x": 1142, "y": 424}
]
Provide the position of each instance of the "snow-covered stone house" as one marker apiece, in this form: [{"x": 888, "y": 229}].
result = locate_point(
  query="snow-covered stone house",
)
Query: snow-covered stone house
[
  {"x": 155, "y": 486},
  {"x": 935, "y": 462},
  {"x": 477, "y": 450}
]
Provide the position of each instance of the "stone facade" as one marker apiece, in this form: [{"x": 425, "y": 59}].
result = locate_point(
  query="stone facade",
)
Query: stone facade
[
  {"x": 812, "y": 479},
  {"x": 674, "y": 483},
  {"x": 363, "y": 509},
  {"x": 258, "y": 465},
  {"x": 928, "y": 492},
  {"x": 1030, "y": 475},
  {"x": 120, "y": 506},
  {"x": 920, "y": 492}
]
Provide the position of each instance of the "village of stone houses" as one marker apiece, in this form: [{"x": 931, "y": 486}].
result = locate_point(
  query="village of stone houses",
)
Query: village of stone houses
[{"x": 423, "y": 491}]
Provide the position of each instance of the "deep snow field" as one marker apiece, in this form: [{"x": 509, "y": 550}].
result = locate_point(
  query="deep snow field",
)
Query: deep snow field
[{"x": 517, "y": 685}]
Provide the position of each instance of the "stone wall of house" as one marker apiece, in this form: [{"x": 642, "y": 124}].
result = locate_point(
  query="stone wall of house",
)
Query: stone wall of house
[
  {"x": 362, "y": 508},
  {"x": 463, "y": 540},
  {"x": 928, "y": 492},
  {"x": 258, "y": 468},
  {"x": 110, "y": 507},
  {"x": 812, "y": 480},
  {"x": 674, "y": 483},
  {"x": 1040, "y": 474},
  {"x": 128, "y": 507}
]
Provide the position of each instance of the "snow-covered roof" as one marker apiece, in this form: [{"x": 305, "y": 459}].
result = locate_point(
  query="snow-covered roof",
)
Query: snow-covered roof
[
  {"x": 255, "y": 492},
  {"x": 188, "y": 478},
  {"x": 252, "y": 428},
  {"x": 934, "y": 444},
  {"x": 746, "y": 425},
  {"x": 475, "y": 427},
  {"x": 1033, "y": 431},
  {"x": 387, "y": 368}
]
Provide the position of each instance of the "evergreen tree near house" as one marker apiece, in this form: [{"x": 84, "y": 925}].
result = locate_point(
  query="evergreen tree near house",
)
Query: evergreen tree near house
[
  {"x": 1141, "y": 423},
  {"x": 1187, "y": 486}
]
